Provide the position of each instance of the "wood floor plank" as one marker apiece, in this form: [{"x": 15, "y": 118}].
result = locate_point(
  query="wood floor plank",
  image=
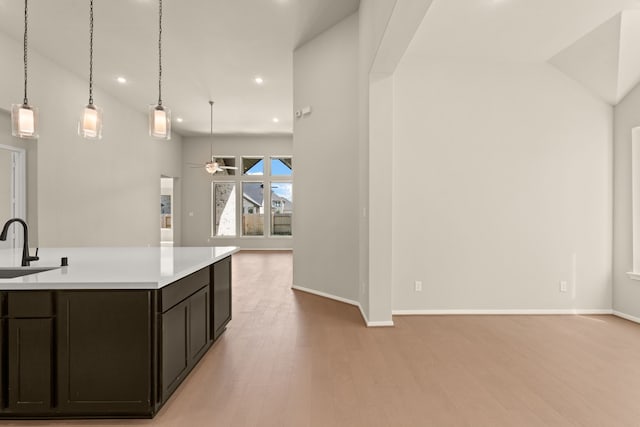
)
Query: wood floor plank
[{"x": 289, "y": 358}]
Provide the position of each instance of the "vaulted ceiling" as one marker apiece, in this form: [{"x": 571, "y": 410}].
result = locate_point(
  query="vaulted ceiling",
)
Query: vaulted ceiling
[
  {"x": 212, "y": 49},
  {"x": 596, "y": 42}
]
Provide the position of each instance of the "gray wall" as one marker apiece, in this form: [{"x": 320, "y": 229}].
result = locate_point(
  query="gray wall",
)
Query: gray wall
[
  {"x": 626, "y": 292},
  {"x": 196, "y": 186},
  {"x": 325, "y": 149},
  {"x": 90, "y": 193},
  {"x": 501, "y": 188}
]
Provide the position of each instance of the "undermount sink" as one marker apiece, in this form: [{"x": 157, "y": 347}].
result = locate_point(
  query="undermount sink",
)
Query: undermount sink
[{"x": 13, "y": 272}]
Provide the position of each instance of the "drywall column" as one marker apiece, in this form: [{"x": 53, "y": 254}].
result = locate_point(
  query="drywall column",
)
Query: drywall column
[{"x": 380, "y": 199}]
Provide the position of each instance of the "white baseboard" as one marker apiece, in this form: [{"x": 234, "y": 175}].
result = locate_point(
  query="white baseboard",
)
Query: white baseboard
[
  {"x": 326, "y": 295},
  {"x": 503, "y": 312},
  {"x": 380, "y": 324},
  {"x": 626, "y": 316},
  {"x": 346, "y": 301}
]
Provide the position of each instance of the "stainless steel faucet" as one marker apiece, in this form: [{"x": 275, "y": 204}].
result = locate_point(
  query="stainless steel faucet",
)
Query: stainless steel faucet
[{"x": 26, "y": 257}]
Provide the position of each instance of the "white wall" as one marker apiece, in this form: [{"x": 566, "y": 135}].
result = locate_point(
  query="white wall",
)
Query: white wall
[
  {"x": 502, "y": 188},
  {"x": 325, "y": 150},
  {"x": 196, "y": 184},
  {"x": 626, "y": 292},
  {"x": 89, "y": 193}
]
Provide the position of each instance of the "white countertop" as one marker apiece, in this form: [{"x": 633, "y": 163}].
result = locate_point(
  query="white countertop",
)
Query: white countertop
[{"x": 111, "y": 268}]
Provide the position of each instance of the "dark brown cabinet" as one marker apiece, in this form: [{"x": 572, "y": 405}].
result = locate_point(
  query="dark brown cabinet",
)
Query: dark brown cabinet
[
  {"x": 104, "y": 352},
  {"x": 29, "y": 352},
  {"x": 29, "y": 365},
  {"x": 185, "y": 328},
  {"x": 175, "y": 347},
  {"x": 107, "y": 353},
  {"x": 220, "y": 296}
]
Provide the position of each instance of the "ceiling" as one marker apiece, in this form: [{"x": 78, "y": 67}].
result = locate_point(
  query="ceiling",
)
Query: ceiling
[
  {"x": 212, "y": 49},
  {"x": 596, "y": 42}
]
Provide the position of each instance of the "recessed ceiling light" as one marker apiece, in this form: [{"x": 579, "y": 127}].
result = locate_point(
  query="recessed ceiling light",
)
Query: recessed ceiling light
[
  {"x": 121, "y": 80},
  {"x": 258, "y": 80},
  {"x": 275, "y": 120},
  {"x": 179, "y": 119}
]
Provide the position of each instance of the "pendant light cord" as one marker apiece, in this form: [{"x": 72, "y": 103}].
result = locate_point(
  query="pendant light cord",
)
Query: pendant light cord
[
  {"x": 159, "y": 52},
  {"x": 211, "y": 132},
  {"x": 26, "y": 4},
  {"x": 91, "y": 52}
]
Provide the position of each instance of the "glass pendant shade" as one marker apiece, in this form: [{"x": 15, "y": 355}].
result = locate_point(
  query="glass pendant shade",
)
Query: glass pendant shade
[
  {"x": 211, "y": 167},
  {"x": 24, "y": 121},
  {"x": 159, "y": 122},
  {"x": 90, "y": 126}
]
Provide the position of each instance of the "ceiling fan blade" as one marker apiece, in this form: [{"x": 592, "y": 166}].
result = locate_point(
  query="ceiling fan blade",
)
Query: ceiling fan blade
[{"x": 228, "y": 167}]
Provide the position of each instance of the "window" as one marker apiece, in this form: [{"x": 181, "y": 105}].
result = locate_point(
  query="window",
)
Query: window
[
  {"x": 265, "y": 206},
  {"x": 252, "y": 166},
  {"x": 224, "y": 209},
  {"x": 252, "y": 209},
  {"x": 281, "y": 166},
  {"x": 281, "y": 208},
  {"x": 226, "y": 161}
]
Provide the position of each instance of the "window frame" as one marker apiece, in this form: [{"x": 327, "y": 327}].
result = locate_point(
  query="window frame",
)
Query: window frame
[{"x": 239, "y": 179}]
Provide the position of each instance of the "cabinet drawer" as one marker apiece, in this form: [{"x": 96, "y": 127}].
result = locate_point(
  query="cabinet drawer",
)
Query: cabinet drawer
[
  {"x": 29, "y": 304},
  {"x": 183, "y": 288}
]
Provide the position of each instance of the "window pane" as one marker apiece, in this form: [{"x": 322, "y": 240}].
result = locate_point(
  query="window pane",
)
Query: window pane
[
  {"x": 252, "y": 209},
  {"x": 224, "y": 196},
  {"x": 252, "y": 166},
  {"x": 225, "y": 162},
  {"x": 281, "y": 208},
  {"x": 281, "y": 166}
]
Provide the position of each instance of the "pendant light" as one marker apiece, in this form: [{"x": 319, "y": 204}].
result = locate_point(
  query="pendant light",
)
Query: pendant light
[
  {"x": 159, "y": 115},
  {"x": 90, "y": 126},
  {"x": 24, "y": 117}
]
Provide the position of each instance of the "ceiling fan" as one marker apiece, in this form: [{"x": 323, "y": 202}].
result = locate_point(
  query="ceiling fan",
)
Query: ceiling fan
[{"x": 213, "y": 165}]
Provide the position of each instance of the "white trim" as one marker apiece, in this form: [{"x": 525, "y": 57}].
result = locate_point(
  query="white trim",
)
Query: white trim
[
  {"x": 380, "y": 324},
  {"x": 501, "y": 312},
  {"x": 268, "y": 249},
  {"x": 626, "y": 316},
  {"x": 367, "y": 322},
  {"x": 633, "y": 275},
  {"x": 19, "y": 187},
  {"x": 635, "y": 196},
  {"x": 325, "y": 295}
]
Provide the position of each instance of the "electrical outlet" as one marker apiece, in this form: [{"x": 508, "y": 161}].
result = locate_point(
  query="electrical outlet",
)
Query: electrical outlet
[
  {"x": 418, "y": 286},
  {"x": 563, "y": 286}
]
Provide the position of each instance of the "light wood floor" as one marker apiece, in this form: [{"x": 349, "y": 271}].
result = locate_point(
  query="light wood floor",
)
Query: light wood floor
[{"x": 294, "y": 359}]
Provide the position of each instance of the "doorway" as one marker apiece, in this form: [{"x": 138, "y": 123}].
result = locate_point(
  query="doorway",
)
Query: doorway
[
  {"x": 13, "y": 186},
  {"x": 167, "y": 216}
]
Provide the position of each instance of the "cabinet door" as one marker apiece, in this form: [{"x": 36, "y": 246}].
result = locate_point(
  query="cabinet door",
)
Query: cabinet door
[
  {"x": 104, "y": 352},
  {"x": 198, "y": 324},
  {"x": 30, "y": 348},
  {"x": 221, "y": 296},
  {"x": 175, "y": 347}
]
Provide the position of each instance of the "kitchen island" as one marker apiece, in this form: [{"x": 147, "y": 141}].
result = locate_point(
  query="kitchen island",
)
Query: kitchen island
[{"x": 111, "y": 335}]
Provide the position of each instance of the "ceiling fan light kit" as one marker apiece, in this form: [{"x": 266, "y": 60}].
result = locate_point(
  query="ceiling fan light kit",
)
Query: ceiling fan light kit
[
  {"x": 24, "y": 117},
  {"x": 212, "y": 166}
]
